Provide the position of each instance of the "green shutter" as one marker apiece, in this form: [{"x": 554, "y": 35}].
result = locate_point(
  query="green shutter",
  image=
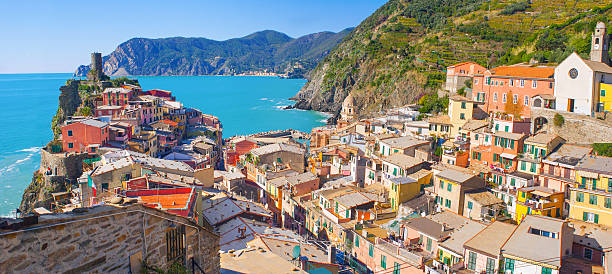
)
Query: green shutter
[
  {"x": 596, "y": 218},
  {"x": 585, "y": 216}
]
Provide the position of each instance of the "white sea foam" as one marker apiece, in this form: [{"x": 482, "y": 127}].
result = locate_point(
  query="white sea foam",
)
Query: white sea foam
[
  {"x": 281, "y": 107},
  {"x": 32, "y": 149},
  {"x": 264, "y": 99}
]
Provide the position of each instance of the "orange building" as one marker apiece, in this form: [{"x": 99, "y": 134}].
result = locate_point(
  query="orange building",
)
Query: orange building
[
  {"x": 456, "y": 75},
  {"x": 117, "y": 96},
  {"x": 510, "y": 89},
  {"x": 85, "y": 135}
]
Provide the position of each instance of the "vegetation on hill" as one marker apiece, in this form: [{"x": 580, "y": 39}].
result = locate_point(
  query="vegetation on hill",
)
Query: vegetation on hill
[
  {"x": 400, "y": 53},
  {"x": 268, "y": 51}
]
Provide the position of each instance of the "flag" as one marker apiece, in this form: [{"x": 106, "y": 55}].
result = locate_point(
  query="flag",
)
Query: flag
[{"x": 91, "y": 184}]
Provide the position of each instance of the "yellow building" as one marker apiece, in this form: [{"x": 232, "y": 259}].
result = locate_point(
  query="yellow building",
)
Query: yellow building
[
  {"x": 460, "y": 110},
  {"x": 591, "y": 197},
  {"x": 403, "y": 189},
  {"x": 605, "y": 97},
  {"x": 538, "y": 200}
]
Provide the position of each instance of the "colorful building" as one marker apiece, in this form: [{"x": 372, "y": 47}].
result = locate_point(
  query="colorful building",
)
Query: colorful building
[
  {"x": 591, "y": 196},
  {"x": 403, "y": 189},
  {"x": 483, "y": 252},
  {"x": 117, "y": 96},
  {"x": 538, "y": 200},
  {"x": 84, "y": 135},
  {"x": 458, "y": 74},
  {"x": 605, "y": 97},
  {"x": 510, "y": 89},
  {"x": 450, "y": 187},
  {"x": 535, "y": 148}
]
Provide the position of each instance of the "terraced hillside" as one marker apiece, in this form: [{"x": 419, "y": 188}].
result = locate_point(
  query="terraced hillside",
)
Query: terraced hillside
[{"x": 399, "y": 53}]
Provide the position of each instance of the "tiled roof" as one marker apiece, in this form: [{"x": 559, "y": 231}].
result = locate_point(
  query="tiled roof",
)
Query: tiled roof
[
  {"x": 442, "y": 119},
  {"x": 93, "y": 123},
  {"x": 541, "y": 138},
  {"x": 509, "y": 135},
  {"x": 402, "y": 160},
  {"x": 276, "y": 148},
  {"x": 599, "y": 164},
  {"x": 491, "y": 239},
  {"x": 598, "y": 66},
  {"x": 404, "y": 142},
  {"x": 523, "y": 71},
  {"x": 521, "y": 243}
]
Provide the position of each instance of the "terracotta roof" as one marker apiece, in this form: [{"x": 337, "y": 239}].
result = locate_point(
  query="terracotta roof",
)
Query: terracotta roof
[
  {"x": 523, "y": 71},
  {"x": 170, "y": 122},
  {"x": 462, "y": 63}
]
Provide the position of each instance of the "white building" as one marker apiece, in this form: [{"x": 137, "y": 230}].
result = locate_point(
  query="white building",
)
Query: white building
[{"x": 577, "y": 81}]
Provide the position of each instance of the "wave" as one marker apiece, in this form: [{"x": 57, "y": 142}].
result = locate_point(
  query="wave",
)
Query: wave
[
  {"x": 32, "y": 149},
  {"x": 281, "y": 107},
  {"x": 14, "y": 165}
]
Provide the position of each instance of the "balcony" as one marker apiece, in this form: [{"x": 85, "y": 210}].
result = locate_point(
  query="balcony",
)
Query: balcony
[{"x": 403, "y": 253}]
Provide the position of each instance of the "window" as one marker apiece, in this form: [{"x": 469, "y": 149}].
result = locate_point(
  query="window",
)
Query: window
[
  {"x": 175, "y": 244},
  {"x": 428, "y": 244},
  {"x": 371, "y": 250},
  {"x": 515, "y": 99},
  {"x": 593, "y": 199},
  {"x": 449, "y": 187},
  {"x": 579, "y": 197},
  {"x": 490, "y": 266},
  {"x": 487, "y": 81},
  {"x": 476, "y": 81},
  {"x": 396, "y": 266},
  {"x": 472, "y": 261},
  {"x": 383, "y": 261},
  {"x": 511, "y": 82},
  {"x": 522, "y": 83},
  {"x": 462, "y": 116},
  {"x": 608, "y": 202},
  {"x": 504, "y": 98},
  {"x": 603, "y": 93},
  {"x": 476, "y": 137},
  {"x": 588, "y": 253},
  {"x": 356, "y": 241},
  {"x": 507, "y": 129},
  {"x": 509, "y": 265},
  {"x": 470, "y": 205},
  {"x": 526, "y": 100},
  {"x": 441, "y": 184},
  {"x": 546, "y": 270},
  {"x": 448, "y": 203},
  {"x": 70, "y": 145},
  {"x": 590, "y": 217},
  {"x": 70, "y": 133},
  {"x": 463, "y": 105},
  {"x": 495, "y": 97},
  {"x": 534, "y": 84}
]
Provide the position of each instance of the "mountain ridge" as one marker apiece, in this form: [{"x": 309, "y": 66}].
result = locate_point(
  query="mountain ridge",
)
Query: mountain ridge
[
  {"x": 262, "y": 51},
  {"x": 399, "y": 53}
]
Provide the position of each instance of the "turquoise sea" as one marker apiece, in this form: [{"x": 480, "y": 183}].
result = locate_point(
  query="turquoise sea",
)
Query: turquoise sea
[{"x": 28, "y": 102}]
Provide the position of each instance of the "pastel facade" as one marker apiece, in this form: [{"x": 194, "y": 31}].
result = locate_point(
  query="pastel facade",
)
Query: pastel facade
[
  {"x": 457, "y": 75},
  {"x": 85, "y": 135},
  {"x": 591, "y": 197},
  {"x": 510, "y": 89}
]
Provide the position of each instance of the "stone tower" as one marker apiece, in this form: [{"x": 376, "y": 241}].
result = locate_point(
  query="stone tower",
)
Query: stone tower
[
  {"x": 599, "y": 44},
  {"x": 96, "y": 68},
  {"x": 96, "y": 61}
]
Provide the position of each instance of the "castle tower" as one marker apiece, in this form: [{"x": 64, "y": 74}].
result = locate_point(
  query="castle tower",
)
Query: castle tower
[
  {"x": 96, "y": 67},
  {"x": 599, "y": 44}
]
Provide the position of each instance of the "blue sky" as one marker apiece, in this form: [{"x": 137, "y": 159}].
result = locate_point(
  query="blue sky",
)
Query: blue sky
[{"x": 57, "y": 36}]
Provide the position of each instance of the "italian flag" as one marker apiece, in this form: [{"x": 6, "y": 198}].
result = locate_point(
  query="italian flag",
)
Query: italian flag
[{"x": 91, "y": 184}]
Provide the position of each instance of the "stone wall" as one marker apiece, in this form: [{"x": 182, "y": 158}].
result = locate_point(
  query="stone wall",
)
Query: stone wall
[
  {"x": 577, "y": 128},
  {"x": 105, "y": 239}
]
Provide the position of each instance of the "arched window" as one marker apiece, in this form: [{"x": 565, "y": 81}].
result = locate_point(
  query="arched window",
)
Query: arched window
[{"x": 597, "y": 41}]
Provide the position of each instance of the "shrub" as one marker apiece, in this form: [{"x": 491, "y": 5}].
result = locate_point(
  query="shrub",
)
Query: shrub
[
  {"x": 515, "y": 7},
  {"x": 603, "y": 149},
  {"x": 558, "y": 120}
]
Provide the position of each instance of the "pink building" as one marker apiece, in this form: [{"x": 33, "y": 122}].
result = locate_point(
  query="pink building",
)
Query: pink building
[
  {"x": 457, "y": 75},
  {"x": 85, "y": 135},
  {"x": 483, "y": 252},
  {"x": 510, "y": 89},
  {"x": 117, "y": 96}
]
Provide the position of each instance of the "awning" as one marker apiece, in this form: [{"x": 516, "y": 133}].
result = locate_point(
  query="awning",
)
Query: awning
[{"x": 508, "y": 156}]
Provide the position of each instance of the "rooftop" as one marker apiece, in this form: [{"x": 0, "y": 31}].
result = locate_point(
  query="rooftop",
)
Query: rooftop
[
  {"x": 455, "y": 175},
  {"x": 524, "y": 71},
  {"x": 462, "y": 234},
  {"x": 491, "y": 239},
  {"x": 522, "y": 242},
  {"x": 541, "y": 138},
  {"x": 116, "y": 90},
  {"x": 260, "y": 151},
  {"x": 509, "y": 135},
  {"x": 594, "y": 163},
  {"x": 441, "y": 119},
  {"x": 485, "y": 198},
  {"x": 404, "y": 142},
  {"x": 472, "y": 125},
  {"x": 567, "y": 155},
  {"x": 402, "y": 160}
]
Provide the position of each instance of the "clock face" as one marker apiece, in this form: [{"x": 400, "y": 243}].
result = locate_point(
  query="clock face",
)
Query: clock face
[{"x": 573, "y": 73}]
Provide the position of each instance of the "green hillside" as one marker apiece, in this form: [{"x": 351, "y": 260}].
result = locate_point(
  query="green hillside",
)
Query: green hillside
[{"x": 400, "y": 52}]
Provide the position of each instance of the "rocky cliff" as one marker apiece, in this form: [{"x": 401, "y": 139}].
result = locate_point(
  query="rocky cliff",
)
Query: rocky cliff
[
  {"x": 401, "y": 51},
  {"x": 268, "y": 51}
]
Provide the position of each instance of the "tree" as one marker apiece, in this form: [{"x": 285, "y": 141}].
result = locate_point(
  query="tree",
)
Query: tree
[
  {"x": 558, "y": 120},
  {"x": 512, "y": 108}
]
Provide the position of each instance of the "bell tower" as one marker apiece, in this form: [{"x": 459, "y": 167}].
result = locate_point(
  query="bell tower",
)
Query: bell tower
[{"x": 599, "y": 44}]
